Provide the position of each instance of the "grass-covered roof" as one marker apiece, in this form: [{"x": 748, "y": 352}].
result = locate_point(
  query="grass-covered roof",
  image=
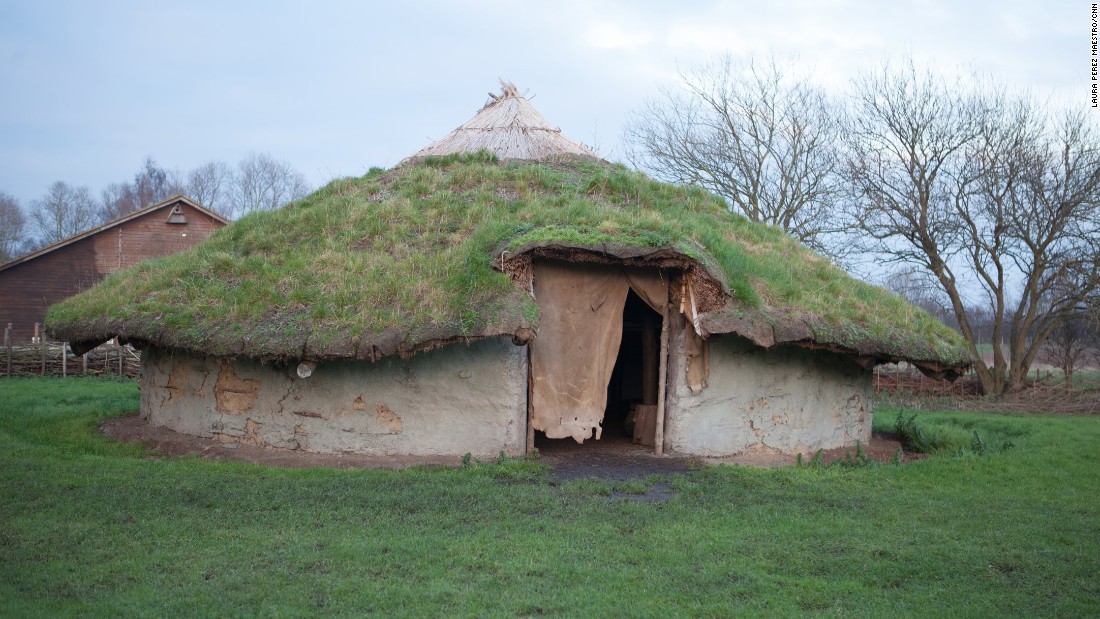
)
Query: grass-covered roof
[
  {"x": 408, "y": 258},
  {"x": 437, "y": 249}
]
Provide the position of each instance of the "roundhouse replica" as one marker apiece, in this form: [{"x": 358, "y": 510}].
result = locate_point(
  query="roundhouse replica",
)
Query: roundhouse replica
[{"x": 501, "y": 284}]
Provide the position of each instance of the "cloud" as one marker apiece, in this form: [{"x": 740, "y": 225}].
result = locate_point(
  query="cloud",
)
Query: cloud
[
  {"x": 615, "y": 37},
  {"x": 706, "y": 38},
  {"x": 334, "y": 87}
]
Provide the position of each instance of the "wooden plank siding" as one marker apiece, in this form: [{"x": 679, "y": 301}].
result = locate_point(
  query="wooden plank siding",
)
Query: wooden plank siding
[{"x": 30, "y": 284}]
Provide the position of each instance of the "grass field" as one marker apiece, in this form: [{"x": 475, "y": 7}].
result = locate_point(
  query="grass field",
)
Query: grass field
[{"x": 93, "y": 528}]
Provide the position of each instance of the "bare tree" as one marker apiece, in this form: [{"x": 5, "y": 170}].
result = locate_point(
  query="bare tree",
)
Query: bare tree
[
  {"x": 12, "y": 227},
  {"x": 987, "y": 194},
  {"x": 154, "y": 184},
  {"x": 117, "y": 199},
  {"x": 1072, "y": 343},
  {"x": 259, "y": 182},
  {"x": 264, "y": 183},
  {"x": 151, "y": 184},
  {"x": 919, "y": 288},
  {"x": 762, "y": 139},
  {"x": 63, "y": 212},
  {"x": 211, "y": 185}
]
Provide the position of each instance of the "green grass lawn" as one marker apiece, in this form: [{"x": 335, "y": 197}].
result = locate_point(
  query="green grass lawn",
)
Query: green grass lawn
[{"x": 89, "y": 527}]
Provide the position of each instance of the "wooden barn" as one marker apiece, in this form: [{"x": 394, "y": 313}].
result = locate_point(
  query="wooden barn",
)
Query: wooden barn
[{"x": 31, "y": 283}]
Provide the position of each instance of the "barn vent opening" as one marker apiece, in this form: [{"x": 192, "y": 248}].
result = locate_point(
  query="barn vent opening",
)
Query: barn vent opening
[
  {"x": 177, "y": 216},
  {"x": 630, "y": 417}
]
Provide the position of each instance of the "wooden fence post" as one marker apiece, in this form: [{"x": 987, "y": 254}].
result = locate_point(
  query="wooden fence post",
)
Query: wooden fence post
[
  {"x": 64, "y": 359},
  {"x": 118, "y": 350},
  {"x": 7, "y": 345},
  {"x": 84, "y": 363},
  {"x": 42, "y": 349}
]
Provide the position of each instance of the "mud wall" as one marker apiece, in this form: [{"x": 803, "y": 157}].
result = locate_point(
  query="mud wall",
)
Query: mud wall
[
  {"x": 451, "y": 401},
  {"x": 778, "y": 400}
]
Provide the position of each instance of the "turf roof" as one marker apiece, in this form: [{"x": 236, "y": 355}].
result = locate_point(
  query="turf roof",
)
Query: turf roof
[{"x": 409, "y": 258}]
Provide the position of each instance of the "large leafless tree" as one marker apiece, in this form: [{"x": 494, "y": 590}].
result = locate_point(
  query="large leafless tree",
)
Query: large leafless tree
[
  {"x": 916, "y": 286},
  {"x": 151, "y": 184},
  {"x": 62, "y": 212},
  {"x": 751, "y": 132},
  {"x": 987, "y": 193},
  {"x": 264, "y": 183},
  {"x": 12, "y": 227},
  {"x": 211, "y": 185}
]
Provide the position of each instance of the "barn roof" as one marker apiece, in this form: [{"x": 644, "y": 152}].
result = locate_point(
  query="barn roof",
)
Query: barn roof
[
  {"x": 114, "y": 223},
  {"x": 438, "y": 250}
]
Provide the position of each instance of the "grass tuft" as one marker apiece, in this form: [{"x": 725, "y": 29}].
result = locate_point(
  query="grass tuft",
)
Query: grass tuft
[{"x": 951, "y": 435}]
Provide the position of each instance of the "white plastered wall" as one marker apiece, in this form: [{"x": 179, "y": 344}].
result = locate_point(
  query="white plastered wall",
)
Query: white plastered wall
[
  {"x": 780, "y": 400},
  {"x": 454, "y": 400}
]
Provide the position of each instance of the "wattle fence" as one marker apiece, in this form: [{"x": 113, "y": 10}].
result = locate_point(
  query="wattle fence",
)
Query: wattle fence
[{"x": 45, "y": 358}]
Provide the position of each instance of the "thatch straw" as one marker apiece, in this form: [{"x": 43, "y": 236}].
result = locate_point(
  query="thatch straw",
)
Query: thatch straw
[{"x": 511, "y": 128}]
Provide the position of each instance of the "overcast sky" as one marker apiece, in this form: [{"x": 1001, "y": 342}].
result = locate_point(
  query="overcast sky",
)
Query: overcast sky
[{"x": 89, "y": 89}]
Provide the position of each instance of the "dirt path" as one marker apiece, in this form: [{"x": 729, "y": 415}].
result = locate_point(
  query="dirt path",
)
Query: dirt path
[{"x": 611, "y": 459}]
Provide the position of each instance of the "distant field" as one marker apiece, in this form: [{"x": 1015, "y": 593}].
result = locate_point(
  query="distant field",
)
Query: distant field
[
  {"x": 95, "y": 528},
  {"x": 1085, "y": 377},
  {"x": 1088, "y": 378}
]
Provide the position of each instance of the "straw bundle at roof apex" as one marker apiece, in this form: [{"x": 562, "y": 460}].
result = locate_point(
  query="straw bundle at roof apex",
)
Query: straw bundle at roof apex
[{"x": 509, "y": 127}]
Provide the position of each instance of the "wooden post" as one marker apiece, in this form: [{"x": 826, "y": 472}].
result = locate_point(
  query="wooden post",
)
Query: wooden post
[
  {"x": 64, "y": 359},
  {"x": 662, "y": 371},
  {"x": 118, "y": 349},
  {"x": 530, "y": 386},
  {"x": 41, "y": 348},
  {"x": 84, "y": 363},
  {"x": 7, "y": 344}
]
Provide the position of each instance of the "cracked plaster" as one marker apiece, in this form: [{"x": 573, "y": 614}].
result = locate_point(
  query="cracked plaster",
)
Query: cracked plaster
[
  {"x": 779, "y": 400},
  {"x": 390, "y": 407}
]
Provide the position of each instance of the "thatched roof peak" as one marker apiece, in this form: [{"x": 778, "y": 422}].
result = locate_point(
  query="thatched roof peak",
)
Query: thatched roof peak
[
  {"x": 507, "y": 90},
  {"x": 509, "y": 127}
]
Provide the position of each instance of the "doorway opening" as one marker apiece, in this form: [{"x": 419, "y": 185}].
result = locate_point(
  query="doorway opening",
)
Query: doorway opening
[{"x": 630, "y": 415}]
